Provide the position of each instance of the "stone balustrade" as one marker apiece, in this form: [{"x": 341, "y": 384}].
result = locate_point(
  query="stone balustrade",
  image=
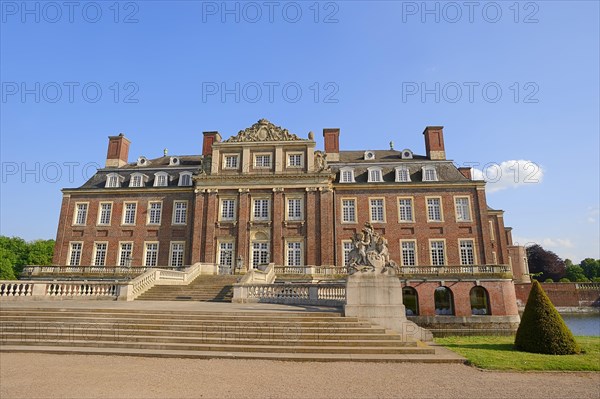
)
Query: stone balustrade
[
  {"x": 291, "y": 294},
  {"x": 61, "y": 290},
  {"x": 87, "y": 271}
]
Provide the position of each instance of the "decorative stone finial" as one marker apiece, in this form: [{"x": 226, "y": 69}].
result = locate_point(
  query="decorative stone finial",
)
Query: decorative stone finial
[
  {"x": 391, "y": 145},
  {"x": 311, "y": 135},
  {"x": 165, "y": 152}
]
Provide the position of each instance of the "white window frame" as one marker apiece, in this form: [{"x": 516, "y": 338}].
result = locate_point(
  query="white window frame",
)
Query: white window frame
[
  {"x": 150, "y": 212},
  {"x": 415, "y": 253},
  {"x": 95, "y": 254},
  {"x": 227, "y": 157},
  {"x": 185, "y": 175},
  {"x": 294, "y": 212},
  {"x": 375, "y": 174},
  {"x": 351, "y": 210},
  {"x": 142, "y": 180},
  {"x": 158, "y": 179},
  {"x": 101, "y": 213},
  {"x": 294, "y": 250},
  {"x": 79, "y": 251},
  {"x": 78, "y": 211},
  {"x": 429, "y": 214},
  {"x": 124, "y": 221},
  {"x": 347, "y": 175},
  {"x": 465, "y": 255},
  {"x": 226, "y": 256},
  {"x": 177, "y": 212},
  {"x": 181, "y": 254},
  {"x": 222, "y": 215},
  {"x": 261, "y": 217},
  {"x": 263, "y": 156},
  {"x": 401, "y": 207},
  {"x": 372, "y": 208},
  {"x": 113, "y": 180},
  {"x": 155, "y": 252},
  {"x": 429, "y": 173},
  {"x": 347, "y": 247},
  {"x": 402, "y": 174},
  {"x": 262, "y": 251},
  {"x": 123, "y": 261},
  {"x": 444, "y": 252},
  {"x": 291, "y": 155},
  {"x": 458, "y": 214}
]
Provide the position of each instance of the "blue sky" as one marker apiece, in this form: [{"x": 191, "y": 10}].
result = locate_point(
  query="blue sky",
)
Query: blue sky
[{"x": 516, "y": 86}]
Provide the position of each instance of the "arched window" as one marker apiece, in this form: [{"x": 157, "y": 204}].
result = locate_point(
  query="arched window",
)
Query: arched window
[
  {"x": 480, "y": 301},
  {"x": 444, "y": 302},
  {"x": 410, "y": 298}
]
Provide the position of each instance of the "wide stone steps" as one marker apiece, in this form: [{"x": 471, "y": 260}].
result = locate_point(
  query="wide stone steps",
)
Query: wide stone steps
[
  {"x": 204, "y": 289},
  {"x": 316, "y": 336}
]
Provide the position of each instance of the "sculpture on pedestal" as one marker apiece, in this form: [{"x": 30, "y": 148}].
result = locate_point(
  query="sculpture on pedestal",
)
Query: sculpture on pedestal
[{"x": 370, "y": 253}]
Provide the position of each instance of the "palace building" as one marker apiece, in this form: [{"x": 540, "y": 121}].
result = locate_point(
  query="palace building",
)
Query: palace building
[{"x": 266, "y": 195}]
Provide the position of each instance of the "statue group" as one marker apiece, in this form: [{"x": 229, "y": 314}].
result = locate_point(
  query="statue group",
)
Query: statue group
[{"x": 370, "y": 253}]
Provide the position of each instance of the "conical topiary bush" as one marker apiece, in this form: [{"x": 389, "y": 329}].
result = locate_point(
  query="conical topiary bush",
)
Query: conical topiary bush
[{"x": 542, "y": 329}]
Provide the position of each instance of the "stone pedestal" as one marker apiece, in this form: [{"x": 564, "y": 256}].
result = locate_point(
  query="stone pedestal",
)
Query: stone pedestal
[{"x": 377, "y": 298}]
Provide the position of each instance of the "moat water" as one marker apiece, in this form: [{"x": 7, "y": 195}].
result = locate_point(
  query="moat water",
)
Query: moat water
[{"x": 583, "y": 324}]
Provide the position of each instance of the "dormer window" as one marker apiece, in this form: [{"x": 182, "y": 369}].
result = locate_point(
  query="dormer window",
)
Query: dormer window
[
  {"x": 174, "y": 161},
  {"x": 185, "y": 179},
  {"x": 429, "y": 173},
  {"x": 113, "y": 180},
  {"x": 375, "y": 175},
  {"x": 142, "y": 161},
  {"x": 161, "y": 179},
  {"x": 402, "y": 174},
  {"x": 369, "y": 155},
  {"x": 347, "y": 175},
  {"x": 138, "y": 180},
  {"x": 406, "y": 154}
]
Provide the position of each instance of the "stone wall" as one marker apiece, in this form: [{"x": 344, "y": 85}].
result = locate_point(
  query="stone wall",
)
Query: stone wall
[{"x": 564, "y": 294}]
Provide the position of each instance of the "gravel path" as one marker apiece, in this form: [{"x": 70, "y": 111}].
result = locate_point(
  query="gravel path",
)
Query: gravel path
[{"x": 78, "y": 376}]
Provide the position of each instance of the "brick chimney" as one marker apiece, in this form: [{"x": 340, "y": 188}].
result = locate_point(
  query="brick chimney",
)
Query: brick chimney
[
  {"x": 118, "y": 151},
  {"x": 207, "y": 143},
  {"x": 466, "y": 172},
  {"x": 434, "y": 142},
  {"x": 332, "y": 143}
]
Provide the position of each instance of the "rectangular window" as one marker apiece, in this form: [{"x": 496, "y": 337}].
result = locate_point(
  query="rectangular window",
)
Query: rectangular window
[
  {"x": 160, "y": 180},
  {"x": 347, "y": 248},
  {"x": 112, "y": 181},
  {"x": 429, "y": 174},
  {"x": 129, "y": 211},
  {"x": 154, "y": 212},
  {"x": 347, "y": 176},
  {"x": 75, "y": 255},
  {"x": 100, "y": 249},
  {"x": 185, "y": 179},
  {"x": 136, "y": 181},
  {"x": 405, "y": 209},
  {"x": 176, "y": 258},
  {"x": 377, "y": 210},
  {"x": 104, "y": 213},
  {"x": 294, "y": 253},
  {"x": 294, "y": 160},
  {"x": 402, "y": 175},
  {"x": 261, "y": 209},
  {"x": 227, "y": 209},
  {"x": 151, "y": 258},
  {"x": 226, "y": 254},
  {"x": 80, "y": 214},
  {"x": 348, "y": 210},
  {"x": 294, "y": 208},
  {"x": 463, "y": 210},
  {"x": 262, "y": 161},
  {"x": 260, "y": 253},
  {"x": 375, "y": 175},
  {"x": 437, "y": 253},
  {"x": 409, "y": 257},
  {"x": 179, "y": 212},
  {"x": 230, "y": 161},
  {"x": 125, "y": 254},
  {"x": 434, "y": 210},
  {"x": 467, "y": 253}
]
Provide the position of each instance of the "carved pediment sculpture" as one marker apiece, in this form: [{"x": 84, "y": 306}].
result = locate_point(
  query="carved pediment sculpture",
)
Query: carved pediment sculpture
[
  {"x": 370, "y": 253},
  {"x": 263, "y": 130}
]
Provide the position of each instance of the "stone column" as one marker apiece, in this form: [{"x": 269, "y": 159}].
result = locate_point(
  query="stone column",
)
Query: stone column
[
  {"x": 197, "y": 227},
  {"x": 311, "y": 214},
  {"x": 211, "y": 213},
  {"x": 242, "y": 226}
]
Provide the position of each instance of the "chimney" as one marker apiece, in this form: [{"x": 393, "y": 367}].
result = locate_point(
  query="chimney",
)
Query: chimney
[
  {"x": 434, "y": 142},
  {"x": 332, "y": 143},
  {"x": 466, "y": 172},
  {"x": 207, "y": 143},
  {"x": 118, "y": 151}
]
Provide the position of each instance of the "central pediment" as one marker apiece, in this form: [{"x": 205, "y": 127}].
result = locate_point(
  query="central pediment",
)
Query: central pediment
[{"x": 263, "y": 130}]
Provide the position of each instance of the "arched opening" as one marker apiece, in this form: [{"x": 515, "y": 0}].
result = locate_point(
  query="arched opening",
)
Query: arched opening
[
  {"x": 480, "y": 301},
  {"x": 410, "y": 299},
  {"x": 444, "y": 302}
]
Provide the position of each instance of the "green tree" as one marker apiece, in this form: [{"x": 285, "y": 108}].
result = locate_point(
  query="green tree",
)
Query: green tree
[
  {"x": 575, "y": 274},
  {"x": 15, "y": 250},
  {"x": 545, "y": 262},
  {"x": 6, "y": 265},
  {"x": 542, "y": 329},
  {"x": 40, "y": 252},
  {"x": 16, "y": 253},
  {"x": 591, "y": 268}
]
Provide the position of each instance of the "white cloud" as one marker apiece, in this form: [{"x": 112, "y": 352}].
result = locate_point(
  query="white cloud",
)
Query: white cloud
[
  {"x": 593, "y": 213},
  {"x": 509, "y": 174}
]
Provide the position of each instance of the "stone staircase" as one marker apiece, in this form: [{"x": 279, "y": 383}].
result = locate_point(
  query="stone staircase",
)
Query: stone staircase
[
  {"x": 204, "y": 288},
  {"x": 234, "y": 333}
]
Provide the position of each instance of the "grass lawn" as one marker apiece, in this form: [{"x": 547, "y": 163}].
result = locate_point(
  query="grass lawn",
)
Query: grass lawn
[{"x": 497, "y": 353}]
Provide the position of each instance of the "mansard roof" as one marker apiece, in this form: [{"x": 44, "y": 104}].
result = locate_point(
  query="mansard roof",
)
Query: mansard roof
[
  {"x": 446, "y": 171},
  {"x": 380, "y": 156}
]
